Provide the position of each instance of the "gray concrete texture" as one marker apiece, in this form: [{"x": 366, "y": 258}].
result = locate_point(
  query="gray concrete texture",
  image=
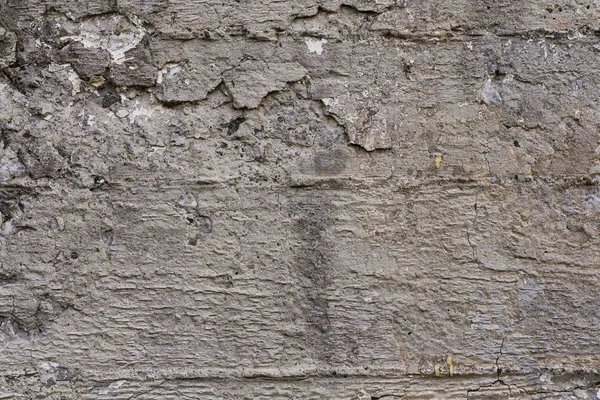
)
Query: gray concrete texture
[{"x": 309, "y": 199}]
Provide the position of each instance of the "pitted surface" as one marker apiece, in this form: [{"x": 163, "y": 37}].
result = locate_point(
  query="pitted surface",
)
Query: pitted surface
[{"x": 316, "y": 199}]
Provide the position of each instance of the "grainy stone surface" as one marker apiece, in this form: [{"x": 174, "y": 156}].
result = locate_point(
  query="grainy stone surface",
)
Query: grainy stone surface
[{"x": 310, "y": 199}]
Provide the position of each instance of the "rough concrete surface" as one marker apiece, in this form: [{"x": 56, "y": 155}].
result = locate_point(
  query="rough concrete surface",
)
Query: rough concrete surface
[{"x": 309, "y": 199}]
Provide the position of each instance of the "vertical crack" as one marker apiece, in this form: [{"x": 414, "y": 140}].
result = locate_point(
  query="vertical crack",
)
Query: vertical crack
[
  {"x": 498, "y": 372},
  {"x": 498, "y": 369}
]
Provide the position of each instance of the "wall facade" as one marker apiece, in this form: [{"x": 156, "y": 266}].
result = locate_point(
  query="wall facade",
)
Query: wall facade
[{"x": 310, "y": 199}]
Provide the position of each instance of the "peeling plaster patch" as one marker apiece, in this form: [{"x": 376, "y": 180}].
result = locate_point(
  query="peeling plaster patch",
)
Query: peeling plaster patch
[
  {"x": 368, "y": 123},
  {"x": 139, "y": 111},
  {"x": 250, "y": 82},
  {"x": 142, "y": 112},
  {"x": 75, "y": 82},
  {"x": 315, "y": 45},
  {"x": 95, "y": 82},
  {"x": 112, "y": 386},
  {"x": 91, "y": 36},
  {"x": 489, "y": 94},
  {"x": 122, "y": 113},
  {"x": 57, "y": 67},
  {"x": 169, "y": 69}
]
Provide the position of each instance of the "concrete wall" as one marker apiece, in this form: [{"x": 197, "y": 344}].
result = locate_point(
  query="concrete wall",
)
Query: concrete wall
[{"x": 309, "y": 199}]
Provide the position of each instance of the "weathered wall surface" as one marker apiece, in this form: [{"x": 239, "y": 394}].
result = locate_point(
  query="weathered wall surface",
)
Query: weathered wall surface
[{"x": 310, "y": 199}]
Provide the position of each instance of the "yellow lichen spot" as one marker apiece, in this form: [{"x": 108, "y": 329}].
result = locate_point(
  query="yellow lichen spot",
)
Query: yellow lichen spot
[
  {"x": 450, "y": 365},
  {"x": 438, "y": 161},
  {"x": 437, "y": 369}
]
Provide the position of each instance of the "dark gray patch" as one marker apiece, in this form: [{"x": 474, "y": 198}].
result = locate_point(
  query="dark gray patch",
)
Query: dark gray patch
[
  {"x": 110, "y": 98},
  {"x": 87, "y": 61},
  {"x": 63, "y": 374},
  {"x": 312, "y": 215},
  {"x": 329, "y": 162},
  {"x": 234, "y": 125}
]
